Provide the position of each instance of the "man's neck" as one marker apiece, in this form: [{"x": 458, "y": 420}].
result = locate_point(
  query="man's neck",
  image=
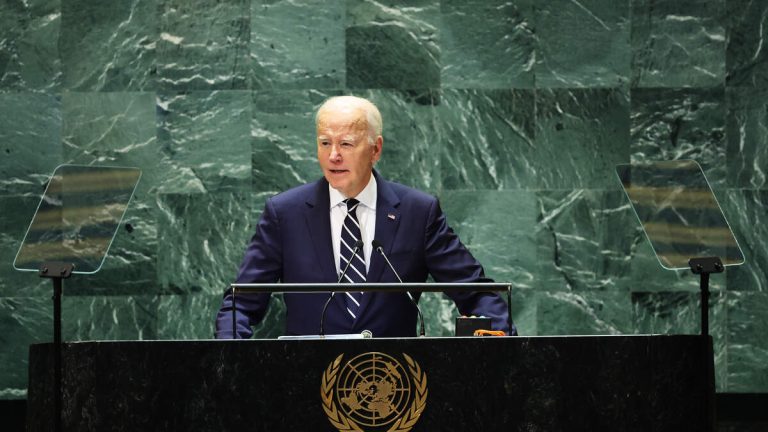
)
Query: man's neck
[{"x": 367, "y": 196}]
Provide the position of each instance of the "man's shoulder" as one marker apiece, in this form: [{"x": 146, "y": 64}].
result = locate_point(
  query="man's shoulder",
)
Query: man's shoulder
[
  {"x": 306, "y": 189},
  {"x": 297, "y": 194},
  {"x": 408, "y": 194}
]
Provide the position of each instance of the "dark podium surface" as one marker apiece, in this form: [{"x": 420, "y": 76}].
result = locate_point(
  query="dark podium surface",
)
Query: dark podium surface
[{"x": 575, "y": 383}]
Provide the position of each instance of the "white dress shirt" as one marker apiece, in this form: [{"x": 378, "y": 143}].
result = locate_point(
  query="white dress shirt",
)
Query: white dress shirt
[{"x": 366, "y": 216}]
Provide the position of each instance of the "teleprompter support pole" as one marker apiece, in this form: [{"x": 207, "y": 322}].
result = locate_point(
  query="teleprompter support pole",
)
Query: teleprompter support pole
[
  {"x": 704, "y": 267},
  {"x": 57, "y": 272}
]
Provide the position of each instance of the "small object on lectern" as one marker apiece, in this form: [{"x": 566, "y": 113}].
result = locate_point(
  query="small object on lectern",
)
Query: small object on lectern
[
  {"x": 466, "y": 326},
  {"x": 482, "y": 332}
]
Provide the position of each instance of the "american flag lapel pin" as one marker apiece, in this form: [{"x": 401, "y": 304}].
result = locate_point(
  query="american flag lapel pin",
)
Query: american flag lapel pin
[{"x": 391, "y": 216}]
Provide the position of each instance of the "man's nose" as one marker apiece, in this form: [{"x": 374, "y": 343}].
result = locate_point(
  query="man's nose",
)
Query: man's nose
[{"x": 335, "y": 154}]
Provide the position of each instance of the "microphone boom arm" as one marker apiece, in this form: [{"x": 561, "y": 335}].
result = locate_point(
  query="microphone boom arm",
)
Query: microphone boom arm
[
  {"x": 377, "y": 245},
  {"x": 358, "y": 246}
]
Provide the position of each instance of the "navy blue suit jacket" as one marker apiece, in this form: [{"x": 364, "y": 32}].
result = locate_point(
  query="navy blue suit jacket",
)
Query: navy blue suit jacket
[{"x": 293, "y": 244}]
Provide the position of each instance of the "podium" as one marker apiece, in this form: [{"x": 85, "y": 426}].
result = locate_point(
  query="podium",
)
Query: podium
[{"x": 574, "y": 383}]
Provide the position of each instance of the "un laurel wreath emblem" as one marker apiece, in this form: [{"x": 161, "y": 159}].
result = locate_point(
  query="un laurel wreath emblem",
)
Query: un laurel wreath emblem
[{"x": 373, "y": 391}]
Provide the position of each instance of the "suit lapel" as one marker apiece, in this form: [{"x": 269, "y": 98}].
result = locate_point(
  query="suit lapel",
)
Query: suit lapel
[
  {"x": 318, "y": 218},
  {"x": 387, "y": 222}
]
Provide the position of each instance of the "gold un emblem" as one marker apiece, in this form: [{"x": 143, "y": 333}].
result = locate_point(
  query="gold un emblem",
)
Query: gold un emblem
[{"x": 374, "y": 391}]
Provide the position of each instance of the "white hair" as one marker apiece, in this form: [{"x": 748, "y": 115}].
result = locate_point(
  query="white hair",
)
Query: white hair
[{"x": 372, "y": 114}]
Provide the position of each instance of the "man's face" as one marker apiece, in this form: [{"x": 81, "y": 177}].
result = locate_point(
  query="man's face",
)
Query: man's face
[{"x": 343, "y": 149}]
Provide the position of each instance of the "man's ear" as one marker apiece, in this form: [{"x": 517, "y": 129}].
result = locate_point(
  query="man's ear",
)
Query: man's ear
[{"x": 378, "y": 145}]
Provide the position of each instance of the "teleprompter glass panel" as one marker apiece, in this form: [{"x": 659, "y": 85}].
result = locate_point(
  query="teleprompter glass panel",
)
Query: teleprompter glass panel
[
  {"x": 679, "y": 212},
  {"x": 77, "y": 217}
]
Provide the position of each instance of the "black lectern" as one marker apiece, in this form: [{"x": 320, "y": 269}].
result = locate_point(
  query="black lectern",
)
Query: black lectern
[{"x": 589, "y": 383}]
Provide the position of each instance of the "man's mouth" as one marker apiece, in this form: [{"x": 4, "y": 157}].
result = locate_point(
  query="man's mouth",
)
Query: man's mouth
[{"x": 338, "y": 171}]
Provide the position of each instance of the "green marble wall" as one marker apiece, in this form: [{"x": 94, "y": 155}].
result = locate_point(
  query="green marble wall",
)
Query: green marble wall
[{"x": 513, "y": 113}]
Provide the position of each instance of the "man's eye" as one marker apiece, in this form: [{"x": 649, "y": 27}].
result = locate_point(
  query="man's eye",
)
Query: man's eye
[
  {"x": 325, "y": 143},
  {"x": 346, "y": 144}
]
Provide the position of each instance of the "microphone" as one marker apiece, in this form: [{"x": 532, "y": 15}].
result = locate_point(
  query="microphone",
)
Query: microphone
[
  {"x": 355, "y": 250},
  {"x": 380, "y": 249}
]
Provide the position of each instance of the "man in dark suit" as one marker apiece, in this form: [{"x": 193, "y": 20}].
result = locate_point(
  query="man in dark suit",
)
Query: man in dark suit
[{"x": 309, "y": 234}]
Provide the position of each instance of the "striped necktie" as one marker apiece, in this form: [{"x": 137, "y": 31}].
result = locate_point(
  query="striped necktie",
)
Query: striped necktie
[{"x": 350, "y": 234}]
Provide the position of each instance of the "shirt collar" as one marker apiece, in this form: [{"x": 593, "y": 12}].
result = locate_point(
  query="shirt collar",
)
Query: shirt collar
[{"x": 367, "y": 196}]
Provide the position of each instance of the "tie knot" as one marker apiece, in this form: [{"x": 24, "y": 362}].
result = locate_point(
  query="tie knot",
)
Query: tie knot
[{"x": 351, "y": 204}]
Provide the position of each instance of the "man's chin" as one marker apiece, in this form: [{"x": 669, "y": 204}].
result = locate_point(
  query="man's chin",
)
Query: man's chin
[{"x": 336, "y": 184}]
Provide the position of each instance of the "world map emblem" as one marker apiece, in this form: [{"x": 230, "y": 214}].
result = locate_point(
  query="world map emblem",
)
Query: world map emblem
[{"x": 374, "y": 392}]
